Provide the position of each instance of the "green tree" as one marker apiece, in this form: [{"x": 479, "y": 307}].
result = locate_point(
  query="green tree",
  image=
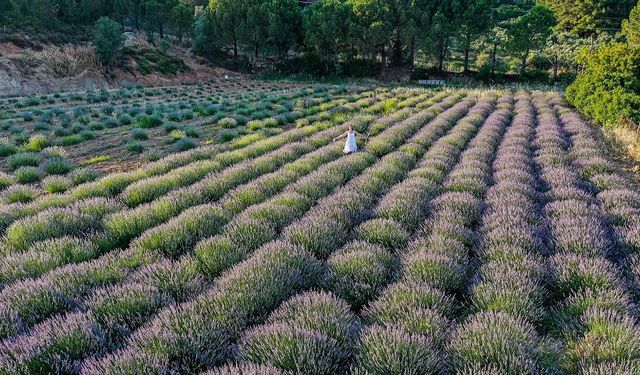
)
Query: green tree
[
  {"x": 182, "y": 17},
  {"x": 10, "y": 13},
  {"x": 107, "y": 40},
  {"x": 228, "y": 17},
  {"x": 158, "y": 13},
  {"x": 530, "y": 32},
  {"x": 284, "y": 25},
  {"x": 441, "y": 32},
  {"x": 327, "y": 27},
  {"x": 631, "y": 27},
  {"x": 206, "y": 41},
  {"x": 371, "y": 30},
  {"x": 562, "y": 50},
  {"x": 121, "y": 9},
  {"x": 590, "y": 17},
  {"x": 476, "y": 20},
  {"x": 609, "y": 88},
  {"x": 253, "y": 24}
]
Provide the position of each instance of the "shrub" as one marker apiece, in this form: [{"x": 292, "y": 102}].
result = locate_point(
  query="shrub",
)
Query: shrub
[
  {"x": 108, "y": 40},
  {"x": 7, "y": 148},
  {"x": 78, "y": 219},
  {"x": 186, "y": 143},
  {"x": 191, "y": 132},
  {"x": 44, "y": 256},
  {"x": 317, "y": 234},
  {"x": 217, "y": 254},
  {"x": 83, "y": 175},
  {"x": 415, "y": 308},
  {"x": 19, "y": 194},
  {"x": 54, "y": 345},
  {"x": 121, "y": 309},
  {"x": 227, "y": 135},
  {"x": 148, "y": 121},
  {"x": 135, "y": 147},
  {"x": 358, "y": 272},
  {"x": 56, "y": 166},
  {"x": 385, "y": 232},
  {"x": 607, "y": 90},
  {"x": 27, "y": 116},
  {"x": 27, "y": 175},
  {"x": 255, "y": 125},
  {"x": 228, "y": 123},
  {"x": 384, "y": 350},
  {"x": 245, "y": 369},
  {"x": 23, "y": 159},
  {"x": 177, "y": 135},
  {"x": 442, "y": 265},
  {"x": 183, "y": 231},
  {"x": 499, "y": 341},
  {"x": 71, "y": 140},
  {"x": 139, "y": 134},
  {"x": 292, "y": 348},
  {"x": 6, "y": 180},
  {"x": 27, "y": 303},
  {"x": 56, "y": 184}
]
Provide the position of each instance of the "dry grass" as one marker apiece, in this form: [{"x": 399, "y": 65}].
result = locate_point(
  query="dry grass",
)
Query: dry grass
[{"x": 69, "y": 60}]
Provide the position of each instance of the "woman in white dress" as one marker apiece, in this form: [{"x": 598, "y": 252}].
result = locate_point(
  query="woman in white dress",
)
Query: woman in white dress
[{"x": 350, "y": 145}]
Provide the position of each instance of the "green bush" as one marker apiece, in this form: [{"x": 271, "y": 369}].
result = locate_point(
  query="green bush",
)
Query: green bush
[
  {"x": 186, "y": 143},
  {"x": 82, "y": 175},
  {"x": 25, "y": 159},
  {"x": 135, "y": 147},
  {"x": 56, "y": 165},
  {"x": 107, "y": 40},
  {"x": 148, "y": 121},
  {"x": 7, "y": 148},
  {"x": 228, "y": 123},
  {"x": 139, "y": 134},
  {"x": 56, "y": 184},
  {"x": 609, "y": 88},
  {"x": 27, "y": 175},
  {"x": 71, "y": 140}
]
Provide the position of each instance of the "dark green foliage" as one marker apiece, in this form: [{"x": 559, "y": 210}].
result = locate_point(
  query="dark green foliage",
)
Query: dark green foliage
[
  {"x": 107, "y": 40},
  {"x": 151, "y": 60},
  {"x": 631, "y": 27},
  {"x": 609, "y": 89}
]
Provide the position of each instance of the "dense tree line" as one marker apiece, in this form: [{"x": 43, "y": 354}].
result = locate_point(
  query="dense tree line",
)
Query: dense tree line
[
  {"x": 76, "y": 15},
  {"x": 493, "y": 37},
  {"x": 359, "y": 37}
]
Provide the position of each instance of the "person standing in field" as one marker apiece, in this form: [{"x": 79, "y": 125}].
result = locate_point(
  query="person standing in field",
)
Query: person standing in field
[{"x": 350, "y": 145}]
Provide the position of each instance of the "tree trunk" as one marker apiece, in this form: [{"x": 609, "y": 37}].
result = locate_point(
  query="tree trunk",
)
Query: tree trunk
[
  {"x": 466, "y": 59},
  {"x": 494, "y": 58},
  {"x": 412, "y": 52},
  {"x": 255, "y": 50},
  {"x": 396, "y": 59},
  {"x": 161, "y": 29},
  {"x": 523, "y": 67},
  {"x": 467, "y": 51},
  {"x": 555, "y": 68}
]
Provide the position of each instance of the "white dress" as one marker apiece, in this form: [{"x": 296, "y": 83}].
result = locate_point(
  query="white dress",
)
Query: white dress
[{"x": 350, "y": 145}]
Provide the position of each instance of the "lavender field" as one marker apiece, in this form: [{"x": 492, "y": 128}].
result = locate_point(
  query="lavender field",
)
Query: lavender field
[{"x": 475, "y": 232}]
